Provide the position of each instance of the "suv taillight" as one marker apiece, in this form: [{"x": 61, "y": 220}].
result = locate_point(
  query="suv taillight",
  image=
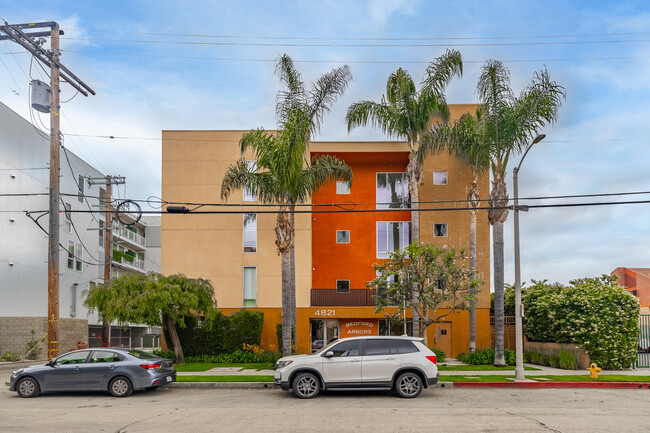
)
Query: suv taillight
[
  {"x": 149, "y": 366},
  {"x": 432, "y": 358}
]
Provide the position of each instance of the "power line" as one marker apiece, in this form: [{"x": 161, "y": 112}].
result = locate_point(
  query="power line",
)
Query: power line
[{"x": 348, "y": 45}]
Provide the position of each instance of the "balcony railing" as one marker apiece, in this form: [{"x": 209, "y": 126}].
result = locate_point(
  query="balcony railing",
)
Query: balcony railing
[
  {"x": 125, "y": 233},
  {"x": 332, "y": 298},
  {"x": 135, "y": 263}
]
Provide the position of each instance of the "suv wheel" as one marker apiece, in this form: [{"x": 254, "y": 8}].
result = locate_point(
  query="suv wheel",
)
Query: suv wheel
[
  {"x": 306, "y": 385},
  {"x": 408, "y": 385}
]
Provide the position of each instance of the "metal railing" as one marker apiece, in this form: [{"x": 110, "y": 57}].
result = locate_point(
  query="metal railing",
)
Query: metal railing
[
  {"x": 643, "y": 351},
  {"x": 136, "y": 262},
  {"x": 509, "y": 332},
  {"x": 332, "y": 298},
  {"x": 125, "y": 233}
]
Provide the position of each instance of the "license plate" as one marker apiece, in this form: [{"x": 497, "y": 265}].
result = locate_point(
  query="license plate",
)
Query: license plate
[{"x": 168, "y": 378}]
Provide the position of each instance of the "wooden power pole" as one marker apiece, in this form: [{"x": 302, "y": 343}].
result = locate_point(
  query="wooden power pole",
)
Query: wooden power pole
[{"x": 31, "y": 42}]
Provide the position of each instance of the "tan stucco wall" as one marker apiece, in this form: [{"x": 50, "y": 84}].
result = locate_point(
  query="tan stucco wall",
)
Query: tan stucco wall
[{"x": 210, "y": 246}]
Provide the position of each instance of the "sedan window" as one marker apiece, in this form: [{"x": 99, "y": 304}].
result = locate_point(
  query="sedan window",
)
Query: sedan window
[
  {"x": 72, "y": 358},
  {"x": 104, "y": 356},
  {"x": 347, "y": 348}
]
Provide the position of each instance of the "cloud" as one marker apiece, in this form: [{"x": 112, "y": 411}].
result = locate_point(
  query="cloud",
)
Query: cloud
[{"x": 381, "y": 10}]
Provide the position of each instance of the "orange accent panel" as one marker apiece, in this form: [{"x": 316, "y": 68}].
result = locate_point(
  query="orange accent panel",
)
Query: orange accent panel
[{"x": 352, "y": 261}]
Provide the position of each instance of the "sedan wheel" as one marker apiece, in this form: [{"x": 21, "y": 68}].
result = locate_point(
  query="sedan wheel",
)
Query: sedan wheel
[
  {"x": 28, "y": 387},
  {"x": 120, "y": 387},
  {"x": 408, "y": 385},
  {"x": 306, "y": 385}
]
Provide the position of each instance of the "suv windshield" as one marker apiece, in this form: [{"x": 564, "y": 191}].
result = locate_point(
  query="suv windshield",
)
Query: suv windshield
[{"x": 325, "y": 348}]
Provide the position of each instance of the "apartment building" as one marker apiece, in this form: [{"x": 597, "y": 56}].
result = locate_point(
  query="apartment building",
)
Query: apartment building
[
  {"x": 334, "y": 252},
  {"x": 637, "y": 282},
  {"x": 24, "y": 170}
]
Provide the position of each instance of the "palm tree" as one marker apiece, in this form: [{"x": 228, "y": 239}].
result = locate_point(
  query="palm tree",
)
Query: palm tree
[
  {"x": 406, "y": 112},
  {"x": 462, "y": 139},
  {"x": 503, "y": 125},
  {"x": 283, "y": 173}
]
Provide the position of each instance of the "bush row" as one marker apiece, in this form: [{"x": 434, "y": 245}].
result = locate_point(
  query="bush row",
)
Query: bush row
[
  {"x": 596, "y": 313},
  {"x": 563, "y": 359},
  {"x": 219, "y": 334},
  {"x": 485, "y": 357},
  {"x": 237, "y": 357}
]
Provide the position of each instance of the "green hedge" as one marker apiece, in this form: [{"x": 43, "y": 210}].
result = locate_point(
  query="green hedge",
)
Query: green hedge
[
  {"x": 220, "y": 334},
  {"x": 485, "y": 357},
  {"x": 596, "y": 313},
  {"x": 237, "y": 357}
]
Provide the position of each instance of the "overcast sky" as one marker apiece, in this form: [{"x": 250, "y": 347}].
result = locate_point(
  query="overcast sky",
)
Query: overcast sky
[{"x": 598, "y": 50}]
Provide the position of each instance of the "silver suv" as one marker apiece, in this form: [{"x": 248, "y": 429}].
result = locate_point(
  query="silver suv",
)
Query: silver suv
[{"x": 403, "y": 364}]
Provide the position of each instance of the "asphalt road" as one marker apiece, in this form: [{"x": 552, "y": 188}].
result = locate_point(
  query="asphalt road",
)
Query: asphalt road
[{"x": 271, "y": 410}]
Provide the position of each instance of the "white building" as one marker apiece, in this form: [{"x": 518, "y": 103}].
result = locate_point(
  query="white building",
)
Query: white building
[{"x": 24, "y": 185}]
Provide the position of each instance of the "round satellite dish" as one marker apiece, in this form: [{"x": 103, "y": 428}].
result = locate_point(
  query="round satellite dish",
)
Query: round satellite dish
[{"x": 40, "y": 96}]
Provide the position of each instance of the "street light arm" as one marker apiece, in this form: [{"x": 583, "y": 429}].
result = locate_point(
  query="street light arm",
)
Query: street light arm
[{"x": 535, "y": 141}]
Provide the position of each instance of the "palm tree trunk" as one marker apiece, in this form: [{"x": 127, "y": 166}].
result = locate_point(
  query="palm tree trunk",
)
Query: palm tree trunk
[
  {"x": 472, "y": 290},
  {"x": 292, "y": 277},
  {"x": 176, "y": 342},
  {"x": 413, "y": 176},
  {"x": 283, "y": 241},
  {"x": 497, "y": 235}
]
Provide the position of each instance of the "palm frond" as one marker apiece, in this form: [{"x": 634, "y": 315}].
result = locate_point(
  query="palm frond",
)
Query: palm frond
[
  {"x": 378, "y": 115},
  {"x": 295, "y": 94},
  {"x": 325, "y": 91},
  {"x": 441, "y": 71}
]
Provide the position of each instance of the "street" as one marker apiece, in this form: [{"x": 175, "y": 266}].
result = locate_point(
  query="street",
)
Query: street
[{"x": 271, "y": 410}]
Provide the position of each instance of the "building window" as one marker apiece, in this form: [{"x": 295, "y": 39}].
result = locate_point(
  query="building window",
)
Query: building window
[
  {"x": 440, "y": 178},
  {"x": 392, "y": 191},
  {"x": 101, "y": 233},
  {"x": 248, "y": 194},
  {"x": 80, "y": 195},
  {"x": 391, "y": 236},
  {"x": 70, "y": 255},
  {"x": 78, "y": 258},
  {"x": 342, "y": 187},
  {"x": 250, "y": 286},
  {"x": 102, "y": 198},
  {"x": 73, "y": 301},
  {"x": 250, "y": 232},
  {"x": 440, "y": 230},
  {"x": 343, "y": 236},
  {"x": 67, "y": 223},
  {"x": 342, "y": 286}
]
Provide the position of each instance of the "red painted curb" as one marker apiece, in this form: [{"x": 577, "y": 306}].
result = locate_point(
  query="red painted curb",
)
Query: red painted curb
[{"x": 623, "y": 385}]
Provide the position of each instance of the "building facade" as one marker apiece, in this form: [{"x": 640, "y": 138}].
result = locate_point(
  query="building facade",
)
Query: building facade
[
  {"x": 334, "y": 251},
  {"x": 637, "y": 282},
  {"x": 24, "y": 169}
]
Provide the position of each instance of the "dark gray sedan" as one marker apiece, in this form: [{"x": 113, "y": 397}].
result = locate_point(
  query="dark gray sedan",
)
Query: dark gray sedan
[{"x": 118, "y": 371}]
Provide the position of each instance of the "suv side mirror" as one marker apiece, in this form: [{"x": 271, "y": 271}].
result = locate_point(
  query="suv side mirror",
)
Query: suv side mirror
[{"x": 329, "y": 354}]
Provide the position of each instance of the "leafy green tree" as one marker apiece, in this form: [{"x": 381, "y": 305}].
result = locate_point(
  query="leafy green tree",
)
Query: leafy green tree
[
  {"x": 502, "y": 127},
  {"x": 153, "y": 299},
  {"x": 283, "y": 173},
  {"x": 407, "y": 113},
  {"x": 424, "y": 277}
]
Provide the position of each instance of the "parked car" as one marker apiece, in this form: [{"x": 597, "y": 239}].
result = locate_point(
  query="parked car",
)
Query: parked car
[
  {"x": 118, "y": 371},
  {"x": 402, "y": 364}
]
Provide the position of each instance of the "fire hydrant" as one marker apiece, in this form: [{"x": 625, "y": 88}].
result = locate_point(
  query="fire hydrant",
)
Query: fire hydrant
[{"x": 594, "y": 370}]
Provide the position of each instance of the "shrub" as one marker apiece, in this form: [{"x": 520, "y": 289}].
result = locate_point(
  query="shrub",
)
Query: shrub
[
  {"x": 219, "y": 333},
  {"x": 440, "y": 355},
  {"x": 169, "y": 354},
  {"x": 554, "y": 361},
  {"x": 485, "y": 357},
  {"x": 566, "y": 360},
  {"x": 80, "y": 345},
  {"x": 596, "y": 313},
  {"x": 32, "y": 349},
  {"x": 237, "y": 357},
  {"x": 10, "y": 357}
]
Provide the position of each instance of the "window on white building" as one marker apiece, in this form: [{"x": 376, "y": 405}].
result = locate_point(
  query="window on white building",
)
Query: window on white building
[
  {"x": 440, "y": 178},
  {"x": 250, "y": 286},
  {"x": 101, "y": 233},
  {"x": 250, "y": 232},
  {"x": 392, "y": 191},
  {"x": 342, "y": 187},
  {"x": 248, "y": 194},
  {"x": 391, "y": 236},
  {"x": 67, "y": 222},
  {"x": 70, "y": 255},
  {"x": 343, "y": 236},
  {"x": 80, "y": 195}
]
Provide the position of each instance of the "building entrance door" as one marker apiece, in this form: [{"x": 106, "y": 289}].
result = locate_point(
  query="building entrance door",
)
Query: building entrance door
[
  {"x": 442, "y": 337},
  {"x": 323, "y": 332}
]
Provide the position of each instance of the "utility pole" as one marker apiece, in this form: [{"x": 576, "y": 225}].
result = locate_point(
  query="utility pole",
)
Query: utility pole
[
  {"x": 15, "y": 33},
  {"x": 108, "y": 238}
]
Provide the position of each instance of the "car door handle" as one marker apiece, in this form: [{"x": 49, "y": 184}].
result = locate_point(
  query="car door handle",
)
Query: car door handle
[
  {"x": 355, "y": 360},
  {"x": 76, "y": 367},
  {"x": 390, "y": 359},
  {"x": 112, "y": 367}
]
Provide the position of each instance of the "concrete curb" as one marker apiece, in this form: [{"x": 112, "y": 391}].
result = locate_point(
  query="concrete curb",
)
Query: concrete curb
[
  {"x": 223, "y": 385},
  {"x": 617, "y": 385}
]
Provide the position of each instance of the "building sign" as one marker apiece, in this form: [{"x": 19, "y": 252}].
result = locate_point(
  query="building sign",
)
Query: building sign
[{"x": 358, "y": 327}]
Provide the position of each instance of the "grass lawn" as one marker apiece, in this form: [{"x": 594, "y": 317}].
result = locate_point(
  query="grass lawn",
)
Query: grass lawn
[
  {"x": 204, "y": 366},
  {"x": 587, "y": 378},
  {"x": 224, "y": 378},
  {"x": 479, "y": 368},
  {"x": 465, "y": 378}
]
